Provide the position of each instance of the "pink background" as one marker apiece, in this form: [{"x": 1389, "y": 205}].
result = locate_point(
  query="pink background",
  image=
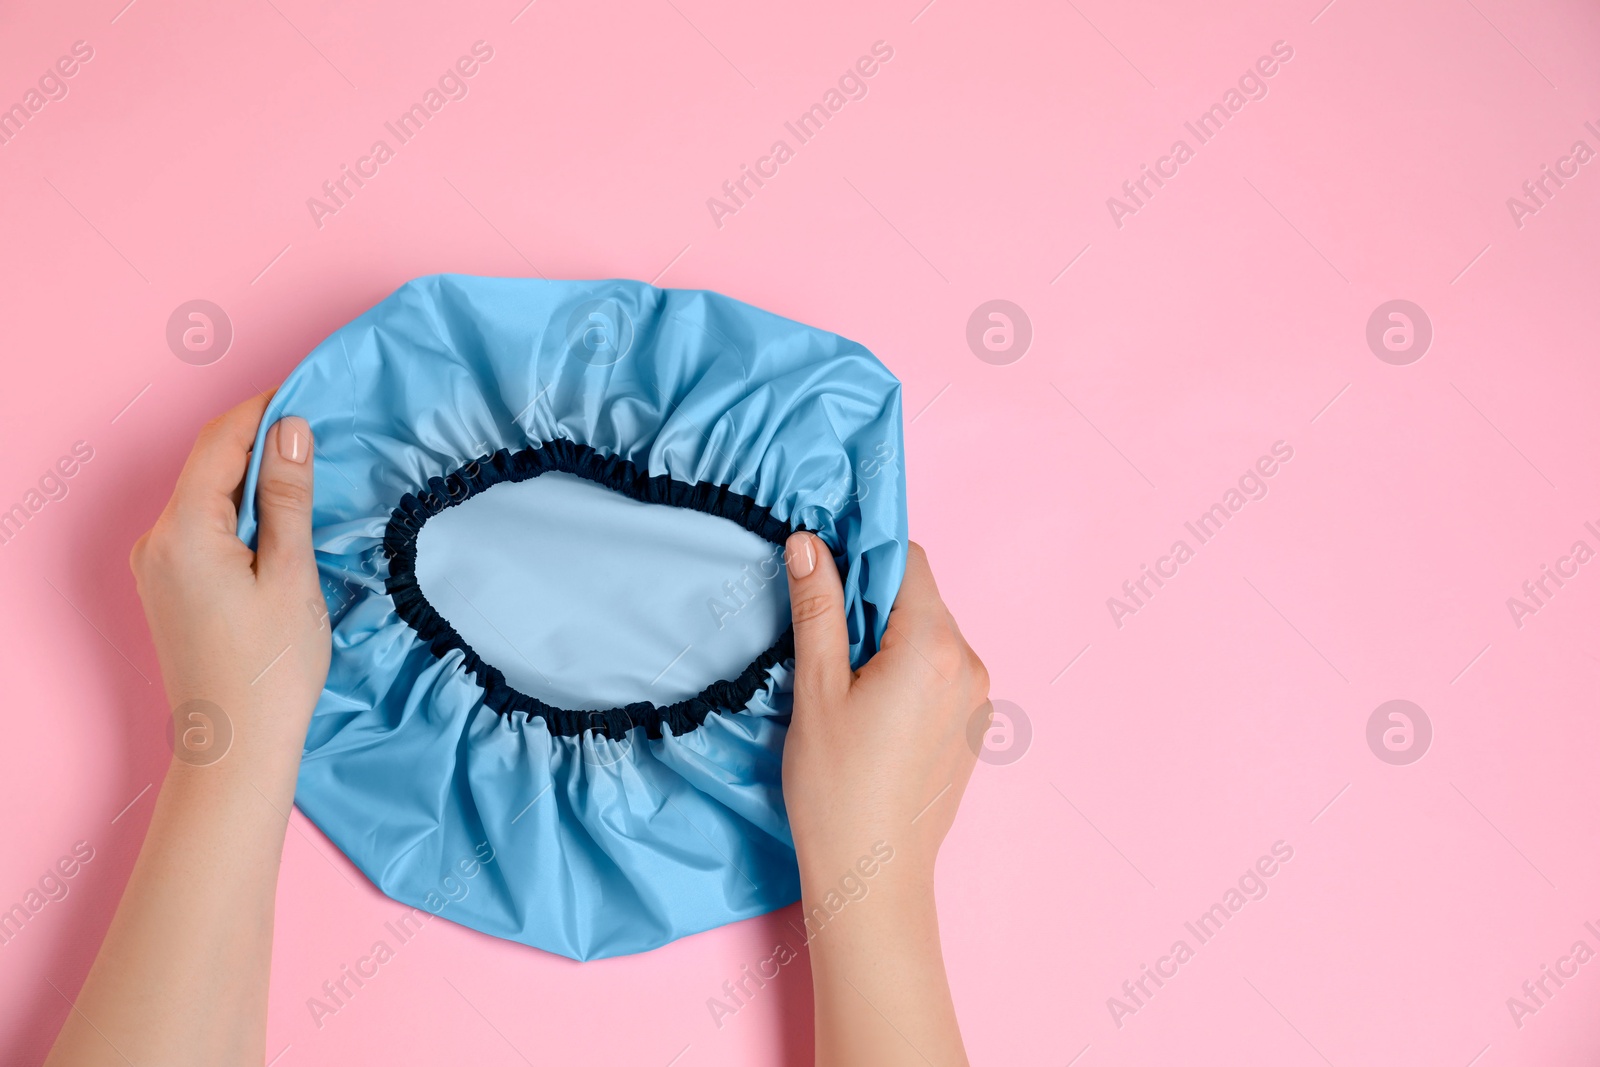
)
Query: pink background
[{"x": 1227, "y": 314}]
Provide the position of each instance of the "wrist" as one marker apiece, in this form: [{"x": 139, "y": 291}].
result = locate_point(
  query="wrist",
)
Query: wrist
[
  {"x": 235, "y": 807},
  {"x": 850, "y": 871},
  {"x": 230, "y": 758},
  {"x": 257, "y": 780},
  {"x": 259, "y": 735}
]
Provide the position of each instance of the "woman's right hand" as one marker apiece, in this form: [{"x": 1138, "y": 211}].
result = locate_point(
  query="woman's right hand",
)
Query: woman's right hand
[
  {"x": 883, "y": 753},
  {"x": 874, "y": 767}
]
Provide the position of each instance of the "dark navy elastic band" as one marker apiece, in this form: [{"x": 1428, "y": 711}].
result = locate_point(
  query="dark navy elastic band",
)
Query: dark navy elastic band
[{"x": 405, "y": 524}]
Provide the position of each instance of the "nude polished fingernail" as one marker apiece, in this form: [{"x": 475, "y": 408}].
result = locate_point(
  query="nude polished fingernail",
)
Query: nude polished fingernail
[
  {"x": 802, "y": 557},
  {"x": 294, "y": 439}
]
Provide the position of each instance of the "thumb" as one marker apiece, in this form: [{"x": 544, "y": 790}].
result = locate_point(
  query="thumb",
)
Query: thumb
[
  {"x": 283, "y": 502},
  {"x": 816, "y": 604}
]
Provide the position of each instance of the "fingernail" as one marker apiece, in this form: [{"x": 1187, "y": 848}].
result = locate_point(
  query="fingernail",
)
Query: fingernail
[
  {"x": 802, "y": 557},
  {"x": 294, "y": 439}
]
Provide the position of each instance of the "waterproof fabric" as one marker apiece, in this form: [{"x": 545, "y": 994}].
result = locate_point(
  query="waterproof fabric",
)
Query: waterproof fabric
[{"x": 579, "y": 795}]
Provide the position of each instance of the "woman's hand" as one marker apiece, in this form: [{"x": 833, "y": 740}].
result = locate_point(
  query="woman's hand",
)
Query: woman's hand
[
  {"x": 874, "y": 766},
  {"x": 181, "y": 978},
  {"x": 242, "y": 637}
]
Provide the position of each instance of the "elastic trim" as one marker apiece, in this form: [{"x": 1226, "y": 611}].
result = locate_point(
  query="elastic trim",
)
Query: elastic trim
[{"x": 613, "y": 472}]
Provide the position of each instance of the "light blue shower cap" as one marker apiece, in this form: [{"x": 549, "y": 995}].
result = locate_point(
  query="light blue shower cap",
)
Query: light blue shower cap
[{"x": 549, "y": 519}]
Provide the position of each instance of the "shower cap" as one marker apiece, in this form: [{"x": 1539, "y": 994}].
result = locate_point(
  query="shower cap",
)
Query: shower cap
[{"x": 548, "y": 521}]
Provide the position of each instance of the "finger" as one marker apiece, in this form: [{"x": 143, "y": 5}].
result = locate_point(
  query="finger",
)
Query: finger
[
  {"x": 216, "y": 465},
  {"x": 283, "y": 502},
  {"x": 918, "y": 605},
  {"x": 816, "y": 604}
]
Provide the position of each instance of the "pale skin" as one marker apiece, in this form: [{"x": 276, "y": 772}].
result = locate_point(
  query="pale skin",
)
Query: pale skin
[{"x": 875, "y": 757}]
